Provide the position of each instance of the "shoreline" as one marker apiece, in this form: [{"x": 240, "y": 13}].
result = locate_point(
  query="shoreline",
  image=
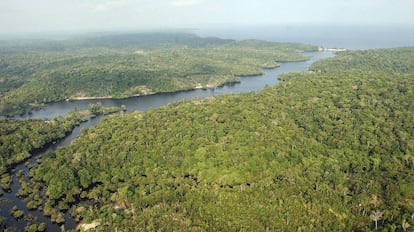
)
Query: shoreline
[
  {"x": 192, "y": 88},
  {"x": 87, "y": 98},
  {"x": 198, "y": 87},
  {"x": 323, "y": 49}
]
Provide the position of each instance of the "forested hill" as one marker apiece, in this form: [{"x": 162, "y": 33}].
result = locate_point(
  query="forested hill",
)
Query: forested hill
[
  {"x": 398, "y": 60},
  {"x": 330, "y": 150},
  {"x": 123, "y": 41},
  {"x": 35, "y": 72}
]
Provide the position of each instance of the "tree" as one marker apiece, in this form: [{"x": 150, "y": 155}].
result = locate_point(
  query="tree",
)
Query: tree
[
  {"x": 405, "y": 225},
  {"x": 376, "y": 216}
]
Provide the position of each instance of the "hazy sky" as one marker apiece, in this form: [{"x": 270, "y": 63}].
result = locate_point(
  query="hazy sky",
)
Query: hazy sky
[{"x": 17, "y": 16}]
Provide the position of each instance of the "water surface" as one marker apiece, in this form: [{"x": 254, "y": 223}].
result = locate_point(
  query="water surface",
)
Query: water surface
[{"x": 144, "y": 103}]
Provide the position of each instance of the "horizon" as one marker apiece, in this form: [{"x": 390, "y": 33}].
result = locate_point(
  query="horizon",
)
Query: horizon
[
  {"x": 323, "y": 35},
  {"x": 189, "y": 29},
  {"x": 63, "y": 16}
]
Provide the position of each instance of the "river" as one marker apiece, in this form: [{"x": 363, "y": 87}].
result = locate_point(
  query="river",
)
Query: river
[
  {"x": 143, "y": 103},
  {"x": 9, "y": 199}
]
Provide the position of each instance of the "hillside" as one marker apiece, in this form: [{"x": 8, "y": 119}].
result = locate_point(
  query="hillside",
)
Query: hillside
[
  {"x": 35, "y": 72},
  {"x": 330, "y": 150}
]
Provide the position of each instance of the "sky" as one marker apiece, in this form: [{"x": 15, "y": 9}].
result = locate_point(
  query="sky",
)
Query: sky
[{"x": 37, "y": 16}]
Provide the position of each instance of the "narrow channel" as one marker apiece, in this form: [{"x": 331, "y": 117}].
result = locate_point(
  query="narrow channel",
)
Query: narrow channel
[{"x": 144, "y": 103}]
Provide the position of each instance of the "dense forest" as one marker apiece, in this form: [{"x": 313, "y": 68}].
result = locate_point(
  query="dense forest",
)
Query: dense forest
[
  {"x": 36, "y": 72},
  {"x": 331, "y": 149},
  {"x": 18, "y": 138},
  {"x": 19, "y": 141},
  {"x": 383, "y": 60}
]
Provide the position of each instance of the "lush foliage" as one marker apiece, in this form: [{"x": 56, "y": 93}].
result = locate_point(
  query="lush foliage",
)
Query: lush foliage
[
  {"x": 385, "y": 60},
  {"x": 99, "y": 109},
  {"x": 121, "y": 66},
  {"x": 320, "y": 151},
  {"x": 20, "y": 137},
  {"x": 19, "y": 140}
]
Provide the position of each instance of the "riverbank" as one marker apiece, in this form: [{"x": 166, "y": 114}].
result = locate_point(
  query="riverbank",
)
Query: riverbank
[
  {"x": 198, "y": 86},
  {"x": 146, "y": 102},
  {"x": 20, "y": 193},
  {"x": 322, "y": 49},
  {"x": 33, "y": 138},
  {"x": 143, "y": 103}
]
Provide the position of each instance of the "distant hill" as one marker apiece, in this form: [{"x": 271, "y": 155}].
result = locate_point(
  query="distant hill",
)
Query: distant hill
[
  {"x": 325, "y": 150},
  {"x": 36, "y": 72}
]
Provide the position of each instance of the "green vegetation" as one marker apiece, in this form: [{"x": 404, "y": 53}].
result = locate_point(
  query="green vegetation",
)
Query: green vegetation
[
  {"x": 36, "y": 227},
  {"x": 99, "y": 109},
  {"x": 18, "y": 140},
  {"x": 331, "y": 150},
  {"x": 5, "y": 181},
  {"x": 33, "y": 73},
  {"x": 16, "y": 213},
  {"x": 382, "y": 60},
  {"x": 20, "y": 137}
]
